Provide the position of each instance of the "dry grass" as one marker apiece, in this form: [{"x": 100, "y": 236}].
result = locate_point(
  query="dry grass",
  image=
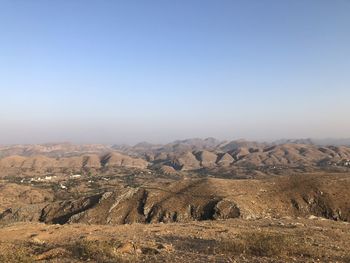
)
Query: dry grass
[
  {"x": 81, "y": 251},
  {"x": 261, "y": 244},
  {"x": 10, "y": 253},
  {"x": 254, "y": 245},
  {"x": 98, "y": 251}
]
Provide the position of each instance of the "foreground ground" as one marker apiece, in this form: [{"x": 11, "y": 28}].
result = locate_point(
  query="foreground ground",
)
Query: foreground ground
[{"x": 233, "y": 240}]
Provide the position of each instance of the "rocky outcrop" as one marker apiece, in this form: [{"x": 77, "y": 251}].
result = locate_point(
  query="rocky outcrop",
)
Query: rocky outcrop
[
  {"x": 139, "y": 205},
  {"x": 24, "y": 213},
  {"x": 179, "y": 202},
  {"x": 61, "y": 212},
  {"x": 226, "y": 209}
]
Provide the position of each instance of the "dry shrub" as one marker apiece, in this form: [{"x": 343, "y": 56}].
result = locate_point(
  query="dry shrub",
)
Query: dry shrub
[
  {"x": 11, "y": 253},
  {"x": 100, "y": 251},
  {"x": 261, "y": 244}
]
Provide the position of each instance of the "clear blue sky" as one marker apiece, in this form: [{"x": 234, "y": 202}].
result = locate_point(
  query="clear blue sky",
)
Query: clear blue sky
[{"x": 157, "y": 70}]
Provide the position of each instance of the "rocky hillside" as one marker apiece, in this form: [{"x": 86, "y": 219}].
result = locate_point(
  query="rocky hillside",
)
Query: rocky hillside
[{"x": 201, "y": 199}]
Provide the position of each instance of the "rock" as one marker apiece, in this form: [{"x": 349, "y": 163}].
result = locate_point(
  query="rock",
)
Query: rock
[
  {"x": 226, "y": 209},
  {"x": 127, "y": 248},
  {"x": 38, "y": 241},
  {"x": 52, "y": 253}
]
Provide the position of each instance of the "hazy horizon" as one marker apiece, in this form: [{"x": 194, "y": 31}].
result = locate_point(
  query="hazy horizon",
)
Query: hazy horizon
[
  {"x": 318, "y": 141},
  {"x": 132, "y": 71}
]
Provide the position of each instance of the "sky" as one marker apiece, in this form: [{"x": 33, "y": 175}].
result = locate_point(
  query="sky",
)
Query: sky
[{"x": 125, "y": 71}]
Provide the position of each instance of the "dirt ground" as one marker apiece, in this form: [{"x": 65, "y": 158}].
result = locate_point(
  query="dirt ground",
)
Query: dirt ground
[{"x": 234, "y": 240}]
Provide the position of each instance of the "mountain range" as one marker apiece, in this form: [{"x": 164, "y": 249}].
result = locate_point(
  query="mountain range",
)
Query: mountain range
[{"x": 181, "y": 155}]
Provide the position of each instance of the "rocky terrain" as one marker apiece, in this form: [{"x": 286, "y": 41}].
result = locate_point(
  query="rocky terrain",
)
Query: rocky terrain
[
  {"x": 193, "y": 200},
  {"x": 184, "y": 200}
]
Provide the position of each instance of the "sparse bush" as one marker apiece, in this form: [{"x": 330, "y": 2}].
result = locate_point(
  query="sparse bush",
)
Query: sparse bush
[
  {"x": 15, "y": 254},
  {"x": 260, "y": 244},
  {"x": 100, "y": 251}
]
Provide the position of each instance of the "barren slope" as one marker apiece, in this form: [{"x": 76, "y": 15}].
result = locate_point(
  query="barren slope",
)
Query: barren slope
[{"x": 199, "y": 199}]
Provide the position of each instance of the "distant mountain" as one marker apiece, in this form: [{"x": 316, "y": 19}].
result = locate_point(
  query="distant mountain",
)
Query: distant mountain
[
  {"x": 322, "y": 142},
  {"x": 199, "y": 143},
  {"x": 42, "y": 163},
  {"x": 294, "y": 141},
  {"x": 236, "y": 144},
  {"x": 53, "y": 149},
  {"x": 145, "y": 149},
  {"x": 330, "y": 141},
  {"x": 180, "y": 155}
]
